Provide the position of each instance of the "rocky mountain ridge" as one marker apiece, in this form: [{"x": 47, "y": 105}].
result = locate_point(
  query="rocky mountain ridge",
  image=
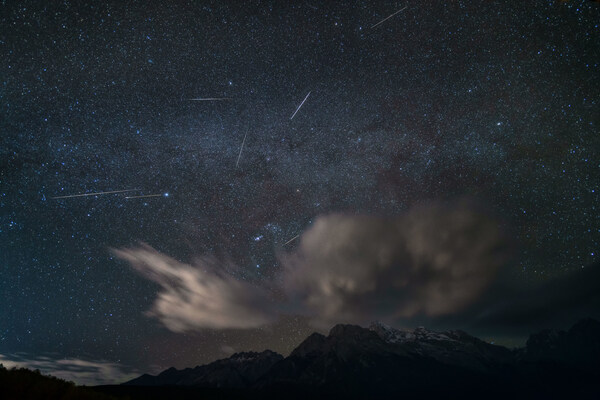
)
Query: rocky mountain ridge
[
  {"x": 238, "y": 371},
  {"x": 380, "y": 361}
]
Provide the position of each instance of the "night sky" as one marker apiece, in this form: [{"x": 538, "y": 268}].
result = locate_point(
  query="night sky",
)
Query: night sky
[{"x": 469, "y": 126}]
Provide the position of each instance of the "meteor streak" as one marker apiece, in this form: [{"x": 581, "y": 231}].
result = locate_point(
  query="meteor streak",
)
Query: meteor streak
[
  {"x": 386, "y": 18},
  {"x": 242, "y": 147},
  {"x": 211, "y": 99},
  {"x": 292, "y": 117},
  {"x": 291, "y": 240},
  {"x": 146, "y": 195},
  {"x": 93, "y": 194}
]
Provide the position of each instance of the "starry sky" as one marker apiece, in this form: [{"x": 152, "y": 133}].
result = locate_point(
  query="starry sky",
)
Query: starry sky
[{"x": 491, "y": 105}]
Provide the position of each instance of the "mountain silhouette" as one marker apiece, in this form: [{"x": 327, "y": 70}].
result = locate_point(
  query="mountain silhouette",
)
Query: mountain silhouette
[
  {"x": 382, "y": 362},
  {"x": 238, "y": 371}
]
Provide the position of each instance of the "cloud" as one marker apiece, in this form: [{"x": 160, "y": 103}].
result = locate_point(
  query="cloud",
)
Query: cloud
[
  {"x": 200, "y": 295},
  {"x": 82, "y": 372},
  {"x": 432, "y": 261},
  {"x": 524, "y": 307}
]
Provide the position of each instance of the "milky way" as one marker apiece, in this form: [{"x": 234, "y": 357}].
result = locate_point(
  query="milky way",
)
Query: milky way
[{"x": 492, "y": 101}]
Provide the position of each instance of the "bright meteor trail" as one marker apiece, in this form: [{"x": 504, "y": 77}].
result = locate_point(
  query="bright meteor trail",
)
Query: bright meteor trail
[
  {"x": 292, "y": 117},
  {"x": 242, "y": 147},
  {"x": 94, "y": 194},
  {"x": 386, "y": 18},
  {"x": 211, "y": 99},
  {"x": 291, "y": 240},
  {"x": 146, "y": 195}
]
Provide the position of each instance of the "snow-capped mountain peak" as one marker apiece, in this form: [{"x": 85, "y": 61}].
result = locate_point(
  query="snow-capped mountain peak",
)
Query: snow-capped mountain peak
[{"x": 393, "y": 335}]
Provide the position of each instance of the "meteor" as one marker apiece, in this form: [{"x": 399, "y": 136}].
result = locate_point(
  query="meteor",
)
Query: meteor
[
  {"x": 386, "y": 18},
  {"x": 291, "y": 240},
  {"x": 242, "y": 147},
  {"x": 292, "y": 117},
  {"x": 210, "y": 99},
  {"x": 93, "y": 194},
  {"x": 147, "y": 195}
]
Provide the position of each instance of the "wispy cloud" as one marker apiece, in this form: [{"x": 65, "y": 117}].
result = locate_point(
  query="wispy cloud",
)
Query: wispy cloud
[
  {"x": 200, "y": 295},
  {"x": 82, "y": 372}
]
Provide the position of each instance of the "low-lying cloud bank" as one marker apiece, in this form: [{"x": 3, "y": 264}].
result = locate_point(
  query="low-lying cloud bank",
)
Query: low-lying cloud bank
[
  {"x": 433, "y": 261},
  {"x": 82, "y": 372}
]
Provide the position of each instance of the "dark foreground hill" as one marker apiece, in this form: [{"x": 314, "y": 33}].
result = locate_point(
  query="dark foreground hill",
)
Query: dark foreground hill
[
  {"x": 24, "y": 384},
  {"x": 383, "y": 362}
]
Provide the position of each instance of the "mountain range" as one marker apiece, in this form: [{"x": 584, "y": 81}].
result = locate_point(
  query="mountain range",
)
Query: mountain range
[{"x": 383, "y": 362}]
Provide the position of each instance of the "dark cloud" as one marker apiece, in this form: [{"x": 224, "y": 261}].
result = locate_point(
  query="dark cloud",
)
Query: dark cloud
[
  {"x": 520, "y": 308},
  {"x": 434, "y": 260}
]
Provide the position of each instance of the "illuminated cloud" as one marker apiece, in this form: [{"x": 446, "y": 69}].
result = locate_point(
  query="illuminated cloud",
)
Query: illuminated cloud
[
  {"x": 433, "y": 261},
  {"x": 200, "y": 295}
]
